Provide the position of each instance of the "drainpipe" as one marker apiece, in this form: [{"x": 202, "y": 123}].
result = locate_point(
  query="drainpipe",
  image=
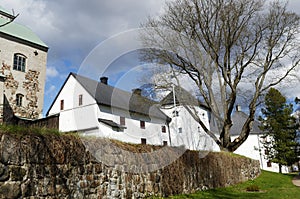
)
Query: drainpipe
[
  {"x": 169, "y": 132},
  {"x": 2, "y": 80},
  {"x": 259, "y": 149}
]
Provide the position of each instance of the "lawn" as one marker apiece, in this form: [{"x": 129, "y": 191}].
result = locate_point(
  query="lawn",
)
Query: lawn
[{"x": 271, "y": 185}]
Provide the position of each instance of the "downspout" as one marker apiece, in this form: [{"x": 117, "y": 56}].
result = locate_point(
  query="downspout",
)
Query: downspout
[
  {"x": 169, "y": 133},
  {"x": 259, "y": 150},
  {"x": 175, "y": 109}
]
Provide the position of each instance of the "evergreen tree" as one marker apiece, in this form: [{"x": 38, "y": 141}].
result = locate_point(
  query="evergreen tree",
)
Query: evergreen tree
[{"x": 280, "y": 129}]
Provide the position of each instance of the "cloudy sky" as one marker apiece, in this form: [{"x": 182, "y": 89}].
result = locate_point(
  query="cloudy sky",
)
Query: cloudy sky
[{"x": 73, "y": 28}]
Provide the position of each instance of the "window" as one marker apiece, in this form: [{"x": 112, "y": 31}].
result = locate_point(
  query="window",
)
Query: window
[
  {"x": 142, "y": 124},
  {"x": 19, "y": 62},
  {"x": 122, "y": 121},
  {"x": 180, "y": 130},
  {"x": 266, "y": 152},
  {"x": 163, "y": 129},
  {"x": 80, "y": 100},
  {"x": 144, "y": 141},
  {"x": 19, "y": 98},
  {"x": 165, "y": 143},
  {"x": 269, "y": 164},
  {"x": 61, "y": 104},
  {"x": 175, "y": 113}
]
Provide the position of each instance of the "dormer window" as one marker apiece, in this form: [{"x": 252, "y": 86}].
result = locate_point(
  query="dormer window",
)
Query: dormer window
[{"x": 19, "y": 62}]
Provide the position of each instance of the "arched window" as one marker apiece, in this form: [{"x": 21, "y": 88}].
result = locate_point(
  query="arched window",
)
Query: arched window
[
  {"x": 19, "y": 62},
  {"x": 19, "y": 98}
]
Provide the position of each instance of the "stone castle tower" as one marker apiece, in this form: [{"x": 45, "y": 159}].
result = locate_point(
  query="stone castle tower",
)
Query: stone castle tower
[{"x": 23, "y": 57}]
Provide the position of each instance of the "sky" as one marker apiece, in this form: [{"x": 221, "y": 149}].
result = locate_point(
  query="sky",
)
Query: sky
[{"x": 74, "y": 28}]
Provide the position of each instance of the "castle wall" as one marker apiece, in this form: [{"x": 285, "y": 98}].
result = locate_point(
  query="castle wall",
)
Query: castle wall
[
  {"x": 53, "y": 166},
  {"x": 30, "y": 83}
]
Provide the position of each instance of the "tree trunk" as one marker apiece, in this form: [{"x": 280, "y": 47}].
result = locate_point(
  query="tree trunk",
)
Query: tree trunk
[{"x": 280, "y": 168}]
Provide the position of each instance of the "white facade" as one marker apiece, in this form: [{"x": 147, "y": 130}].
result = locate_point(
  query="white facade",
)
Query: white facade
[
  {"x": 89, "y": 117},
  {"x": 253, "y": 148},
  {"x": 85, "y": 118},
  {"x": 186, "y": 131}
]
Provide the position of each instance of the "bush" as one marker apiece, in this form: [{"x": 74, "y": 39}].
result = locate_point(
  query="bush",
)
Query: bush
[{"x": 252, "y": 188}]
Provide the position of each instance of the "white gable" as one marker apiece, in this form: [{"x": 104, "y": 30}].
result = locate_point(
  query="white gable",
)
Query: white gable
[{"x": 67, "y": 105}]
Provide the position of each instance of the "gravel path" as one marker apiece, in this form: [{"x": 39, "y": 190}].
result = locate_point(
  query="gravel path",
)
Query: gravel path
[{"x": 296, "y": 181}]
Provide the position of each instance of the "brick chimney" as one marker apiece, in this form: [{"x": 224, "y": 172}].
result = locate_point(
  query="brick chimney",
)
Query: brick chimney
[{"x": 104, "y": 80}]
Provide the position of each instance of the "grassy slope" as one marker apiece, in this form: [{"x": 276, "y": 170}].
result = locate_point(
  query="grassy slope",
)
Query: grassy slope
[{"x": 271, "y": 185}]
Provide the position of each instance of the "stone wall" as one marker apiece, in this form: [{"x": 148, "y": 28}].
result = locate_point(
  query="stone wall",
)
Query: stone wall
[
  {"x": 29, "y": 86},
  {"x": 30, "y": 83},
  {"x": 52, "y": 166}
]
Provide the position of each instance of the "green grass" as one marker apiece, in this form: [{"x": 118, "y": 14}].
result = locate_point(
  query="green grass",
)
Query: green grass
[
  {"x": 21, "y": 130},
  {"x": 270, "y": 185}
]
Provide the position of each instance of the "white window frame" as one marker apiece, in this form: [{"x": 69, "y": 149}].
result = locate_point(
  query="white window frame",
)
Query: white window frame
[
  {"x": 19, "y": 99},
  {"x": 19, "y": 62}
]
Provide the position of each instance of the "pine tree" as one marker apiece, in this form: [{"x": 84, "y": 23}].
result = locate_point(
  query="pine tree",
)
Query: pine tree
[{"x": 280, "y": 129}]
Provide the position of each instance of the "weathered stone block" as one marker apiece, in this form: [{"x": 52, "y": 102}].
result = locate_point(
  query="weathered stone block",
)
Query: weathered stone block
[
  {"x": 10, "y": 190},
  {"x": 10, "y": 150},
  {"x": 4, "y": 173},
  {"x": 17, "y": 173}
]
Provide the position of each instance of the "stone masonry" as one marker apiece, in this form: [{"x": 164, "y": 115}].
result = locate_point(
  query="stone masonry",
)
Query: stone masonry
[{"x": 53, "y": 166}]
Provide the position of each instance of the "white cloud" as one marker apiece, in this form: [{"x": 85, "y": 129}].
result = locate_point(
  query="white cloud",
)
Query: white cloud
[
  {"x": 72, "y": 28},
  {"x": 51, "y": 72},
  {"x": 51, "y": 89}
]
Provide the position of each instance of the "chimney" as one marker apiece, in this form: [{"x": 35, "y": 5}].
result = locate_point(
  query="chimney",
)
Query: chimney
[
  {"x": 238, "y": 108},
  {"x": 137, "y": 91},
  {"x": 104, "y": 80}
]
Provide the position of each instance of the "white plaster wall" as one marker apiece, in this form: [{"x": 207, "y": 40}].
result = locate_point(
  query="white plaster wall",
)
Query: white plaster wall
[
  {"x": 254, "y": 149},
  {"x": 75, "y": 117},
  {"x": 33, "y": 62},
  {"x": 85, "y": 118},
  {"x": 133, "y": 133},
  {"x": 193, "y": 136}
]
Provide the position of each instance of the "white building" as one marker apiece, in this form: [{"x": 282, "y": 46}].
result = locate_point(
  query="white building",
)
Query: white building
[
  {"x": 253, "y": 147},
  {"x": 95, "y": 108},
  {"x": 180, "y": 105}
]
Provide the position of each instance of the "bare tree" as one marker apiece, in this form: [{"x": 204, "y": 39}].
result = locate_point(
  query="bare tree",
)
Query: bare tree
[{"x": 230, "y": 49}]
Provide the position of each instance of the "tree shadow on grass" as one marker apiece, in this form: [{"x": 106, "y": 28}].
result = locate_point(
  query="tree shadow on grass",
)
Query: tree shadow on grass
[{"x": 227, "y": 194}]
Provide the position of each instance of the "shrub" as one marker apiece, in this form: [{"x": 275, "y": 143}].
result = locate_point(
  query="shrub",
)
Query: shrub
[{"x": 252, "y": 188}]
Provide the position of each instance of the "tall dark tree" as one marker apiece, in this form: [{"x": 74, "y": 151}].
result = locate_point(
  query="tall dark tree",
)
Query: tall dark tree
[
  {"x": 231, "y": 50},
  {"x": 280, "y": 129}
]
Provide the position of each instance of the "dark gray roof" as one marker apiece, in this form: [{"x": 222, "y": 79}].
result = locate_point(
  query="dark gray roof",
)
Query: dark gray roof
[
  {"x": 114, "y": 98},
  {"x": 111, "y": 123},
  {"x": 182, "y": 97},
  {"x": 238, "y": 119},
  {"x": 104, "y": 94}
]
